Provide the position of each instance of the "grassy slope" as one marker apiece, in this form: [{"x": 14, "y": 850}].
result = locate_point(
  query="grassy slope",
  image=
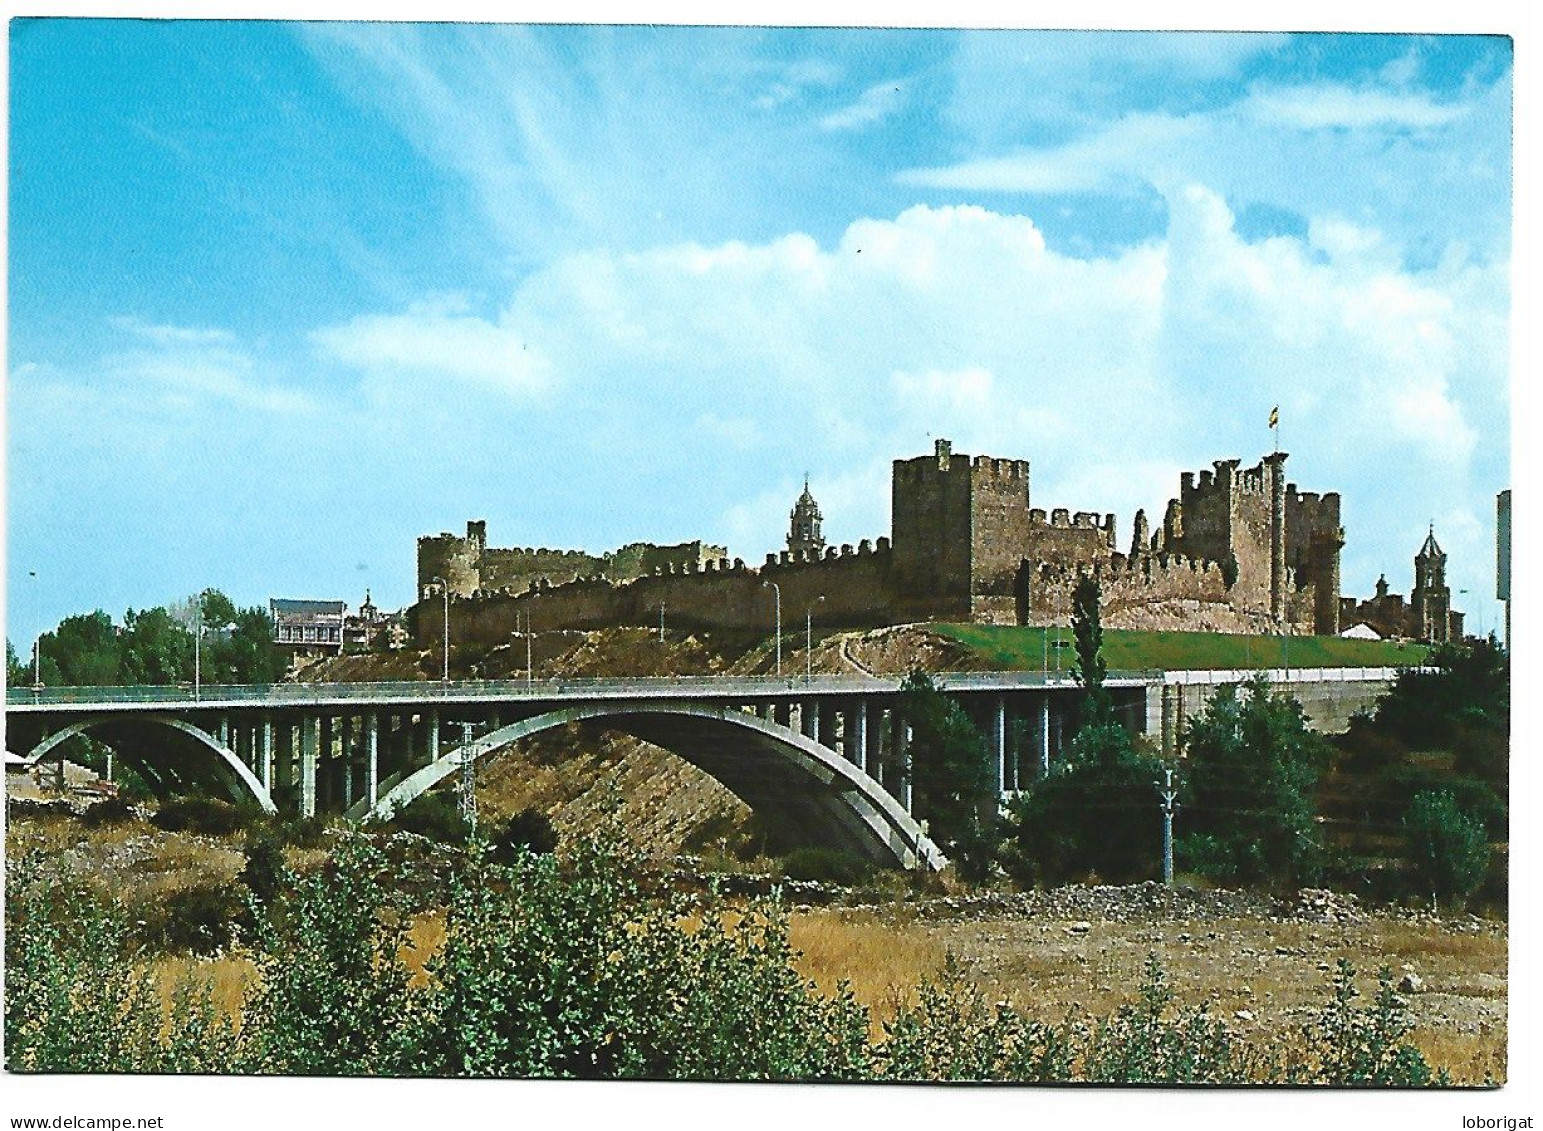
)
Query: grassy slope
[{"x": 1024, "y": 648}]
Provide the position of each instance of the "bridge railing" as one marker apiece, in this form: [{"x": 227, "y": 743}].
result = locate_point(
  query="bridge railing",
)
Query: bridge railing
[
  {"x": 692, "y": 685},
  {"x": 755, "y": 686}
]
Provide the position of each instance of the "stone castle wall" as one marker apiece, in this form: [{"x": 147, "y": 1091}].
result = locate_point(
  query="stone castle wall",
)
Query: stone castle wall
[
  {"x": 469, "y": 566},
  {"x": 1238, "y": 551},
  {"x": 518, "y": 569},
  {"x": 858, "y": 586}
]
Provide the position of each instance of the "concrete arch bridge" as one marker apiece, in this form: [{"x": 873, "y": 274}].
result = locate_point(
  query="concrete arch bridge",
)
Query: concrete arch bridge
[{"x": 825, "y": 760}]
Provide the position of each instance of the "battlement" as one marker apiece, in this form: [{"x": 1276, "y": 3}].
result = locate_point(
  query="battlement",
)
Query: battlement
[
  {"x": 1009, "y": 470},
  {"x": 796, "y": 560},
  {"x": 964, "y": 543}
]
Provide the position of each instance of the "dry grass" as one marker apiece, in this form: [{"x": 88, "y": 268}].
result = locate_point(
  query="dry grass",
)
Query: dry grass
[
  {"x": 1279, "y": 972},
  {"x": 226, "y": 978},
  {"x": 881, "y": 962}
]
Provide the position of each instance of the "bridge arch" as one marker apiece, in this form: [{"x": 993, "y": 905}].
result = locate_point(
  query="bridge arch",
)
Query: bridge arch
[
  {"x": 810, "y": 790},
  {"x": 237, "y": 778}
]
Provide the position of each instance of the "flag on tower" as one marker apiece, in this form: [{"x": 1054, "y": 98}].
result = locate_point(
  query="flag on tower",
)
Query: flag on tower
[{"x": 1275, "y": 417}]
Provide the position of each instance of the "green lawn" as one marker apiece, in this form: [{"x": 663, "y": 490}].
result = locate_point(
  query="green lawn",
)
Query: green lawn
[{"x": 1023, "y": 648}]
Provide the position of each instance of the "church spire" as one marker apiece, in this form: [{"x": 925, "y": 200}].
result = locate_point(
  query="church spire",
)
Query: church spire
[{"x": 804, "y": 537}]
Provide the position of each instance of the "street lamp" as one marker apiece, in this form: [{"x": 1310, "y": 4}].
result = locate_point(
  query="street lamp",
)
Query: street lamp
[
  {"x": 198, "y": 637},
  {"x": 444, "y": 588},
  {"x": 809, "y": 640},
  {"x": 777, "y": 592},
  {"x": 37, "y": 647},
  {"x": 529, "y": 676}
]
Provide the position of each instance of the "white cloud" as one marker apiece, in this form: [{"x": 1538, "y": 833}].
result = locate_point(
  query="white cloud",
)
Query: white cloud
[
  {"x": 1134, "y": 147},
  {"x": 163, "y": 335},
  {"x": 433, "y": 341},
  {"x": 1424, "y": 170},
  {"x": 197, "y": 367},
  {"x": 1334, "y": 106},
  {"x": 1108, "y": 374},
  {"x": 873, "y": 105}
]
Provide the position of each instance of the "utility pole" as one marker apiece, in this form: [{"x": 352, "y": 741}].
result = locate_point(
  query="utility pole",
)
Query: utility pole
[
  {"x": 661, "y": 622},
  {"x": 1168, "y": 794},
  {"x": 468, "y": 783}
]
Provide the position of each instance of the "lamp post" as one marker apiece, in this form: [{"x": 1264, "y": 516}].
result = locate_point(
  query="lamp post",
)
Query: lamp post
[
  {"x": 809, "y": 640},
  {"x": 529, "y": 670},
  {"x": 777, "y": 592},
  {"x": 444, "y": 588},
  {"x": 37, "y": 647}
]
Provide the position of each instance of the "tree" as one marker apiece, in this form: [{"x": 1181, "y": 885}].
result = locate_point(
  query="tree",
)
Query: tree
[
  {"x": 1088, "y": 634},
  {"x": 17, "y": 673},
  {"x": 1095, "y": 812},
  {"x": 1447, "y": 849},
  {"x": 155, "y": 648},
  {"x": 951, "y": 776},
  {"x": 1250, "y": 773},
  {"x": 1468, "y": 691},
  {"x": 245, "y": 653},
  {"x": 81, "y": 652}
]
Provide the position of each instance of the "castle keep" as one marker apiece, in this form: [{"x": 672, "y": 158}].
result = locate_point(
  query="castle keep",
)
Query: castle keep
[{"x": 1237, "y": 551}]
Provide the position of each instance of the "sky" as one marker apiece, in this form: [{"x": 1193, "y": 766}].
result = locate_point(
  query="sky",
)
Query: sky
[{"x": 284, "y": 297}]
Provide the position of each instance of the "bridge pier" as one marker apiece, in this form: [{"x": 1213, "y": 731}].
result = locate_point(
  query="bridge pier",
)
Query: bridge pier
[
  {"x": 267, "y": 754},
  {"x": 348, "y": 761},
  {"x": 857, "y": 734},
  {"x": 902, "y": 790},
  {"x": 310, "y": 744},
  {"x": 372, "y": 756},
  {"x": 999, "y": 742}
]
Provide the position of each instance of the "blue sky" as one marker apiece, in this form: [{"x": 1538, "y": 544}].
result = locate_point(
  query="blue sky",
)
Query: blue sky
[{"x": 285, "y": 296}]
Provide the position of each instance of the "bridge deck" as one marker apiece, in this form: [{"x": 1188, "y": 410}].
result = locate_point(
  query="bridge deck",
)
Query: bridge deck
[{"x": 746, "y": 689}]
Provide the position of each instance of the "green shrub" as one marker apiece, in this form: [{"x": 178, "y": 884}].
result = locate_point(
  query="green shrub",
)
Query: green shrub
[
  {"x": 303, "y": 832},
  {"x": 1344, "y": 1044},
  {"x": 1447, "y": 849},
  {"x": 199, "y": 919},
  {"x": 108, "y": 811},
  {"x": 264, "y": 873},
  {"x": 77, "y": 1001},
  {"x": 1250, "y": 775},
  {"x": 827, "y": 866},
  {"x": 207, "y": 815},
  {"x": 529, "y": 830},
  {"x": 563, "y": 968},
  {"x": 1096, "y": 812},
  {"x": 435, "y": 817}
]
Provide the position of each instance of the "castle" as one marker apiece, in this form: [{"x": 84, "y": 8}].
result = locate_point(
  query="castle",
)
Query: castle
[{"x": 1237, "y": 551}]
